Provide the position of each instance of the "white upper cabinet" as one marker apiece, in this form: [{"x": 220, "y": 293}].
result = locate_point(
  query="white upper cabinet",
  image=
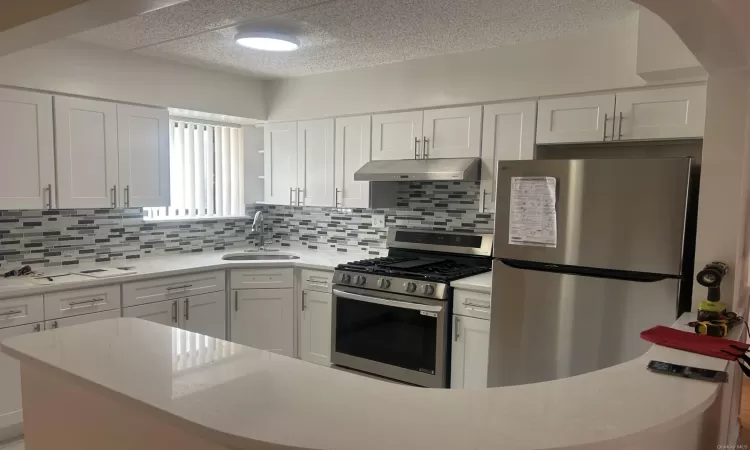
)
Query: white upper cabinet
[
  {"x": 86, "y": 150},
  {"x": 470, "y": 353},
  {"x": 27, "y": 171},
  {"x": 143, "y": 136},
  {"x": 280, "y": 159},
  {"x": 397, "y": 135},
  {"x": 508, "y": 134},
  {"x": 576, "y": 119},
  {"x": 452, "y": 132},
  {"x": 315, "y": 180},
  {"x": 664, "y": 113},
  {"x": 315, "y": 329},
  {"x": 205, "y": 314},
  {"x": 352, "y": 152}
]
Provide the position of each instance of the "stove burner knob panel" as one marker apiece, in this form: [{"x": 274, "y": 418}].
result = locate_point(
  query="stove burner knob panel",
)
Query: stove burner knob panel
[
  {"x": 345, "y": 278},
  {"x": 410, "y": 287},
  {"x": 384, "y": 284},
  {"x": 427, "y": 289},
  {"x": 360, "y": 280}
]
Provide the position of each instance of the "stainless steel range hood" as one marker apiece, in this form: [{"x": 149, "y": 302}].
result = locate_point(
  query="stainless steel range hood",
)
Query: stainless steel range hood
[{"x": 441, "y": 169}]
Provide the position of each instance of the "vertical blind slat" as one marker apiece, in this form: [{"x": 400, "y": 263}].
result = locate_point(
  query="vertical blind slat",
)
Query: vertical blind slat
[
  {"x": 200, "y": 173},
  {"x": 219, "y": 175},
  {"x": 209, "y": 148},
  {"x": 234, "y": 186},
  {"x": 226, "y": 176}
]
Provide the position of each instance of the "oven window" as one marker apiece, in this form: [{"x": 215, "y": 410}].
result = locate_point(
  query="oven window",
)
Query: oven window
[{"x": 400, "y": 337}]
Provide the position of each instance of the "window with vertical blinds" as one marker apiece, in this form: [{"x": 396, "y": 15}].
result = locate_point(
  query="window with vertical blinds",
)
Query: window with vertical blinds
[{"x": 206, "y": 172}]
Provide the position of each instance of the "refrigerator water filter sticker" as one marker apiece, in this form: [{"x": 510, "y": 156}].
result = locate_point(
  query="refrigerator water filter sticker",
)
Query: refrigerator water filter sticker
[{"x": 533, "y": 211}]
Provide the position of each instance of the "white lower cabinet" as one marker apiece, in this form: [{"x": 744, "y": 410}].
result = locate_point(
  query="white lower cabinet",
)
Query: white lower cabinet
[
  {"x": 164, "y": 312},
  {"x": 10, "y": 384},
  {"x": 77, "y": 320},
  {"x": 264, "y": 319},
  {"x": 315, "y": 327},
  {"x": 205, "y": 314},
  {"x": 470, "y": 352}
]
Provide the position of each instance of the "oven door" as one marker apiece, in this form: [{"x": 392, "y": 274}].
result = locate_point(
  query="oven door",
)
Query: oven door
[{"x": 391, "y": 335}]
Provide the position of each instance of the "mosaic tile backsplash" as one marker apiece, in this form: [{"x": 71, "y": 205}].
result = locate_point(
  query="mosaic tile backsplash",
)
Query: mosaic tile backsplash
[
  {"x": 71, "y": 237},
  {"x": 452, "y": 206}
]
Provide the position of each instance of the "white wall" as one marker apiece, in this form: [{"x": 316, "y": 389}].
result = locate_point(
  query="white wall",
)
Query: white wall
[
  {"x": 604, "y": 58},
  {"x": 661, "y": 54},
  {"x": 72, "y": 67}
]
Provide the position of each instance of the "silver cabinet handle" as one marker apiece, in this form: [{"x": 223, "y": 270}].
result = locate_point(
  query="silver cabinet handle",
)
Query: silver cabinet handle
[
  {"x": 456, "y": 324},
  {"x": 236, "y": 300},
  {"x": 291, "y": 194},
  {"x": 300, "y": 202},
  {"x": 336, "y": 198},
  {"x": 382, "y": 301},
  {"x": 185, "y": 286},
  {"x": 476, "y": 305},
  {"x": 416, "y": 147},
  {"x": 49, "y": 196},
  {"x": 606, "y": 119},
  {"x": 54, "y": 325},
  {"x": 425, "y": 144},
  {"x": 113, "y": 191},
  {"x": 127, "y": 196},
  {"x": 187, "y": 309},
  {"x": 484, "y": 200},
  {"x": 303, "y": 300},
  {"x": 10, "y": 313},
  {"x": 174, "y": 311},
  {"x": 37, "y": 328},
  {"x": 84, "y": 302},
  {"x": 619, "y": 137}
]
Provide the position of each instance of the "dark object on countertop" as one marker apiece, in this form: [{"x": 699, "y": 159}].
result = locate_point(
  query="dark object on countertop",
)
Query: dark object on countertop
[
  {"x": 694, "y": 373},
  {"x": 25, "y": 270}
]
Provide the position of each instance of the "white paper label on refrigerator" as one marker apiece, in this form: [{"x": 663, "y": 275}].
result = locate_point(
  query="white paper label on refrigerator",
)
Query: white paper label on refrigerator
[{"x": 533, "y": 212}]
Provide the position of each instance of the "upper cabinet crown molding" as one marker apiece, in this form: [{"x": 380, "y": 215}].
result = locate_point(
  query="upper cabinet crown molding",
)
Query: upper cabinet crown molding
[
  {"x": 86, "y": 150},
  {"x": 27, "y": 174}
]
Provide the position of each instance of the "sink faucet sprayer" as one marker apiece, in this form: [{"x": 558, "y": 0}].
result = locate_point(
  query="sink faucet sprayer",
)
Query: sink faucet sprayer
[{"x": 258, "y": 223}]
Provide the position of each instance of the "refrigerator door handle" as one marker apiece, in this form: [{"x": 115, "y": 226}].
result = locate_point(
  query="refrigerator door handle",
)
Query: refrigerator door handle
[{"x": 624, "y": 275}]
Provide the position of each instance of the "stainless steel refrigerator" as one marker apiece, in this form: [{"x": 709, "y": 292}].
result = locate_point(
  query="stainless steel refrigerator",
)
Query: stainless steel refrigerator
[{"x": 587, "y": 254}]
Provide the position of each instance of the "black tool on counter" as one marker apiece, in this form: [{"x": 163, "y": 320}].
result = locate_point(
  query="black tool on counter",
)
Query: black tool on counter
[
  {"x": 694, "y": 373},
  {"x": 25, "y": 270}
]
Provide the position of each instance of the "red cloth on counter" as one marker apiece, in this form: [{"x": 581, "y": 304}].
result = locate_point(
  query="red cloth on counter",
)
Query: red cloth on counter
[{"x": 695, "y": 343}]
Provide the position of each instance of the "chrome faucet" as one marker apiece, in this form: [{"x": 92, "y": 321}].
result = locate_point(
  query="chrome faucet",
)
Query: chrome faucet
[{"x": 258, "y": 222}]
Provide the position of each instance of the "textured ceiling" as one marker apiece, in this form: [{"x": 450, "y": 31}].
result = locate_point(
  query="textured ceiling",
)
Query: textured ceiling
[{"x": 347, "y": 34}]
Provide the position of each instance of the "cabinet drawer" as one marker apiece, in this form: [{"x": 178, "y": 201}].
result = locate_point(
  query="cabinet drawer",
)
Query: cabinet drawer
[
  {"x": 83, "y": 301},
  {"x": 169, "y": 288},
  {"x": 20, "y": 311},
  {"x": 313, "y": 280},
  {"x": 77, "y": 320},
  {"x": 472, "y": 304},
  {"x": 268, "y": 278}
]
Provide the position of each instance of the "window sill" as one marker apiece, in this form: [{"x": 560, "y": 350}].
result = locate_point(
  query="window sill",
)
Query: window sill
[{"x": 194, "y": 219}]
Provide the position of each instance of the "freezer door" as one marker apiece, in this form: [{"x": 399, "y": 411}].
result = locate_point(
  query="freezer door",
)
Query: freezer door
[
  {"x": 546, "y": 326},
  {"x": 622, "y": 214}
]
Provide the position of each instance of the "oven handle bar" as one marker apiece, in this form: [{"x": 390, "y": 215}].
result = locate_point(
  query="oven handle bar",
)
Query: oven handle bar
[{"x": 381, "y": 301}]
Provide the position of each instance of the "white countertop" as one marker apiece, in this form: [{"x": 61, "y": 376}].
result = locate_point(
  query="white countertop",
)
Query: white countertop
[
  {"x": 181, "y": 264},
  {"x": 477, "y": 283},
  {"x": 243, "y": 396}
]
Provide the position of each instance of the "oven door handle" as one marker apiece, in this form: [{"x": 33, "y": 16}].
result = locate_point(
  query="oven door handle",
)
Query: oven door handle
[{"x": 382, "y": 301}]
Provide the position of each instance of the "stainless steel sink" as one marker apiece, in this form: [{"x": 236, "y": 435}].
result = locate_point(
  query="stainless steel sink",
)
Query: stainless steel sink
[{"x": 258, "y": 256}]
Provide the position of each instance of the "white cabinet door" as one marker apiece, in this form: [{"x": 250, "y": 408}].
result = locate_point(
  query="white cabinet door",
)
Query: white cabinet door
[
  {"x": 315, "y": 335},
  {"x": 10, "y": 374},
  {"x": 27, "y": 171},
  {"x": 86, "y": 151},
  {"x": 397, "y": 135},
  {"x": 83, "y": 318},
  {"x": 508, "y": 134},
  {"x": 576, "y": 119},
  {"x": 666, "y": 113},
  {"x": 280, "y": 160},
  {"x": 452, "y": 132},
  {"x": 353, "y": 146},
  {"x": 264, "y": 319},
  {"x": 315, "y": 181},
  {"x": 470, "y": 352},
  {"x": 143, "y": 136},
  {"x": 205, "y": 314},
  {"x": 164, "y": 312}
]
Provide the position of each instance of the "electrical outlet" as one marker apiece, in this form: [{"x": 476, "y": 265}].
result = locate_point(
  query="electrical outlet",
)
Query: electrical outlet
[{"x": 378, "y": 221}]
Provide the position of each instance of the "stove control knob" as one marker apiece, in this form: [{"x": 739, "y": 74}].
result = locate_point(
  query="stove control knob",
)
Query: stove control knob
[
  {"x": 427, "y": 289},
  {"x": 383, "y": 283},
  {"x": 345, "y": 278},
  {"x": 410, "y": 287},
  {"x": 360, "y": 280}
]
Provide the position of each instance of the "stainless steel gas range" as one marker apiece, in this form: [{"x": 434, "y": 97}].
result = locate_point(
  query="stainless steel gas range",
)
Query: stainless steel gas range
[{"x": 392, "y": 315}]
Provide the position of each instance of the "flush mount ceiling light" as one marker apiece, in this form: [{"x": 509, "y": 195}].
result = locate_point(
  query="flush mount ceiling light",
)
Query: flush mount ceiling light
[{"x": 267, "y": 41}]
